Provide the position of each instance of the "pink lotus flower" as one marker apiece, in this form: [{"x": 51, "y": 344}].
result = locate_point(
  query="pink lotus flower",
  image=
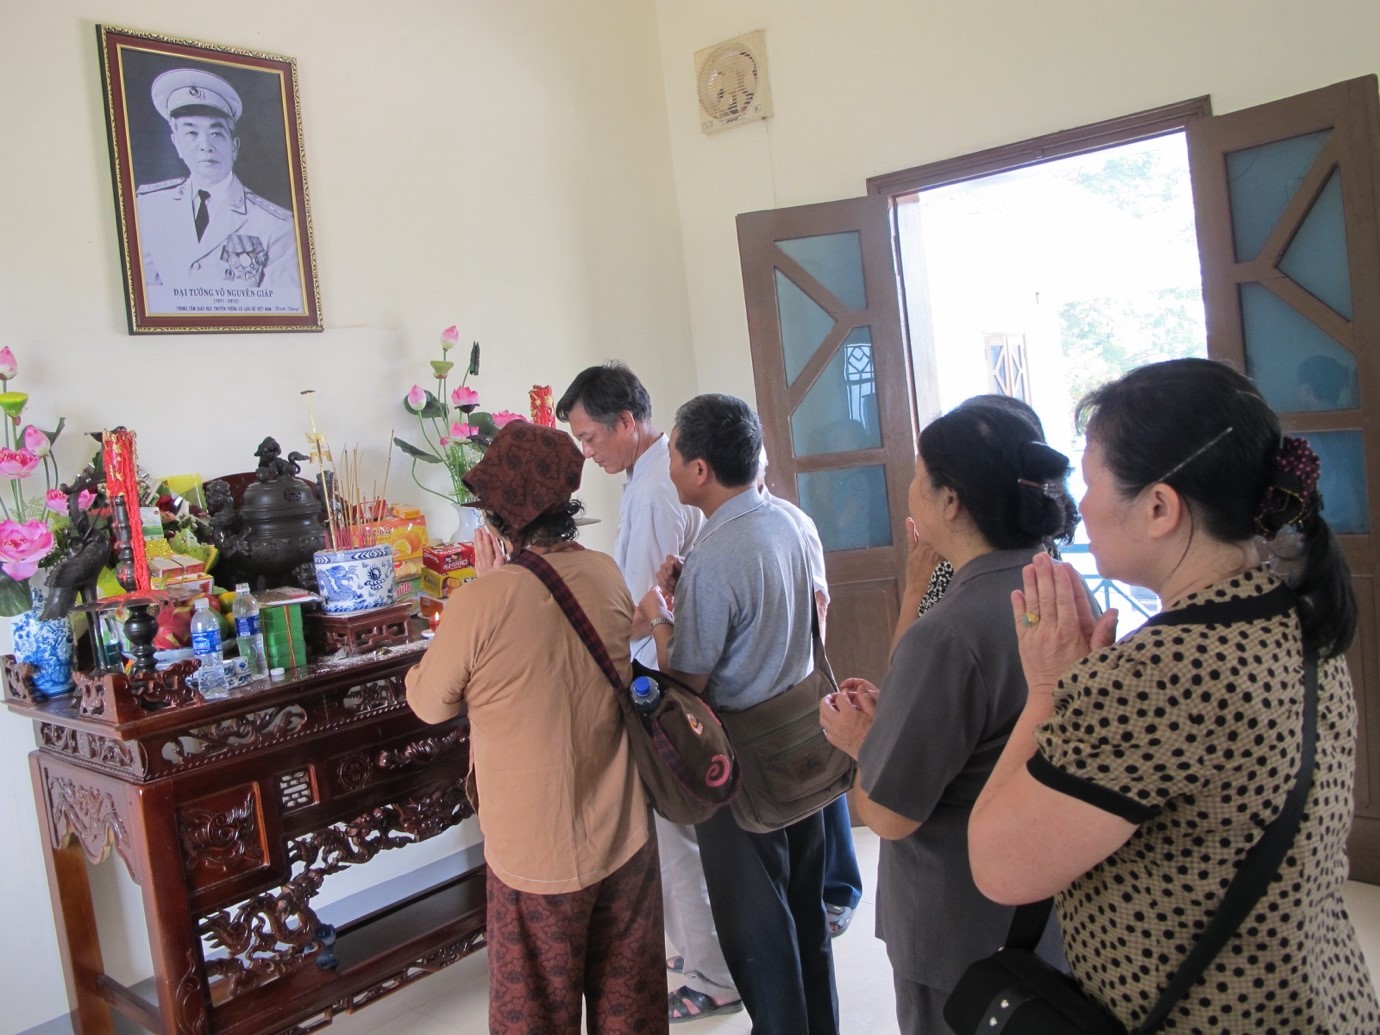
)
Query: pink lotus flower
[
  {"x": 9, "y": 366},
  {"x": 464, "y": 398},
  {"x": 36, "y": 442},
  {"x": 505, "y": 417},
  {"x": 463, "y": 431},
  {"x": 416, "y": 398},
  {"x": 17, "y": 463},
  {"x": 450, "y": 337},
  {"x": 22, "y": 547},
  {"x": 56, "y": 500}
]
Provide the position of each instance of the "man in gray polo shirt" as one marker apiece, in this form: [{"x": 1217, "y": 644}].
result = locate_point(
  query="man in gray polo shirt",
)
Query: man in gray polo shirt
[{"x": 738, "y": 629}]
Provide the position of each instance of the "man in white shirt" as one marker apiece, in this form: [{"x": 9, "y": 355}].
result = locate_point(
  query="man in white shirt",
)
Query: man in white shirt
[{"x": 610, "y": 414}]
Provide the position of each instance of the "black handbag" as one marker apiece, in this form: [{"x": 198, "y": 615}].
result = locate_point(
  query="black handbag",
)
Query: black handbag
[
  {"x": 1015, "y": 992},
  {"x": 682, "y": 752},
  {"x": 790, "y": 770}
]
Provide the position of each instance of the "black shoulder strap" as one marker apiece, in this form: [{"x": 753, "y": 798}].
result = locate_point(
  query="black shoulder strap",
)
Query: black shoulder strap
[
  {"x": 1256, "y": 871},
  {"x": 1276, "y": 602},
  {"x": 1028, "y": 924},
  {"x": 1262, "y": 862}
]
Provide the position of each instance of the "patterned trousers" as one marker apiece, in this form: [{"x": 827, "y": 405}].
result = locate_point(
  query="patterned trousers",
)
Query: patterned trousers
[{"x": 602, "y": 943}]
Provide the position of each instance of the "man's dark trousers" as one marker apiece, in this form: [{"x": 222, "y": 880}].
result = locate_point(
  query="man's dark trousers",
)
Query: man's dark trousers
[{"x": 764, "y": 890}]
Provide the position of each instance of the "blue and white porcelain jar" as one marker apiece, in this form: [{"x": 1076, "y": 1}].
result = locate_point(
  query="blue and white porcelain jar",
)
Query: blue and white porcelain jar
[
  {"x": 46, "y": 645},
  {"x": 353, "y": 580}
]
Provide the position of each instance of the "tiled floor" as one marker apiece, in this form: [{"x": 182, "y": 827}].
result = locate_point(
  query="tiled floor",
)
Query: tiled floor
[{"x": 453, "y": 1002}]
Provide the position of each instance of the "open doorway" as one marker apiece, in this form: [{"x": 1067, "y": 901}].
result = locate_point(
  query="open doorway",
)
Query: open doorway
[
  {"x": 1285, "y": 204},
  {"x": 1045, "y": 281}
]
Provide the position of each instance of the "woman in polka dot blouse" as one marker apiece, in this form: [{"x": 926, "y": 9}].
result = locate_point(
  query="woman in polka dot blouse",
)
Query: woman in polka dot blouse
[{"x": 1140, "y": 772}]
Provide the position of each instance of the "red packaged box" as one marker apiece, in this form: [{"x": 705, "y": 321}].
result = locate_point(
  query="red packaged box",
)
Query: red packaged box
[{"x": 447, "y": 557}]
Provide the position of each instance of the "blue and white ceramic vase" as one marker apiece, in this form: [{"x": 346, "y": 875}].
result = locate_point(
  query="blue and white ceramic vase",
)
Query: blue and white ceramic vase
[
  {"x": 353, "y": 580},
  {"x": 46, "y": 645}
]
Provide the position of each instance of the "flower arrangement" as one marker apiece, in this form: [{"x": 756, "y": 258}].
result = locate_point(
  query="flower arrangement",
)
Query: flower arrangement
[
  {"x": 455, "y": 440},
  {"x": 32, "y": 524}
]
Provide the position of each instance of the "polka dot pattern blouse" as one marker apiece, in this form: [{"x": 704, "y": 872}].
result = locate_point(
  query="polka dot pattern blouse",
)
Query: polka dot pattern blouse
[{"x": 1193, "y": 732}]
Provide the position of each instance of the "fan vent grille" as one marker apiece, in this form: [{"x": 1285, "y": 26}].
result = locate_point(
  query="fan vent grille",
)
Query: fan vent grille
[{"x": 731, "y": 82}]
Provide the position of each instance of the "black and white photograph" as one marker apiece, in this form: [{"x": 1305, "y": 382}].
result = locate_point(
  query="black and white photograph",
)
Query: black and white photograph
[{"x": 210, "y": 187}]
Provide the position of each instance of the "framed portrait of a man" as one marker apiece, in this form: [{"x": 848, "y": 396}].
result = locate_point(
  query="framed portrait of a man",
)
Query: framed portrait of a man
[{"x": 210, "y": 186}]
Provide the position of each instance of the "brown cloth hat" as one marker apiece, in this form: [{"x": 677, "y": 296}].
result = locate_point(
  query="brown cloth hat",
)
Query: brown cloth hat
[{"x": 528, "y": 470}]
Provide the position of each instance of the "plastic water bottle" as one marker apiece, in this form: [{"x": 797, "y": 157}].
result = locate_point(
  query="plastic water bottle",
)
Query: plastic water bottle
[
  {"x": 646, "y": 694},
  {"x": 206, "y": 646},
  {"x": 249, "y": 632}
]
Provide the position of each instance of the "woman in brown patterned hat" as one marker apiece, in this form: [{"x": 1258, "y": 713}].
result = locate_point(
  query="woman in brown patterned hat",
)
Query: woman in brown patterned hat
[{"x": 574, "y": 889}]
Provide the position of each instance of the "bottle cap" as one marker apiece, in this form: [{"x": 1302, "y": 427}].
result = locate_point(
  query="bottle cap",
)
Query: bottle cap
[{"x": 277, "y": 673}]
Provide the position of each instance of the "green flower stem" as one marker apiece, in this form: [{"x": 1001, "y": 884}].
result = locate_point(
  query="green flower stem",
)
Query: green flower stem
[
  {"x": 416, "y": 481},
  {"x": 426, "y": 435},
  {"x": 14, "y": 482}
]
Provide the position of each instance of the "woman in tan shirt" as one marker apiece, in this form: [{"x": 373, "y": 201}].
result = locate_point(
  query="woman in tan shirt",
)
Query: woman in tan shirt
[{"x": 574, "y": 889}]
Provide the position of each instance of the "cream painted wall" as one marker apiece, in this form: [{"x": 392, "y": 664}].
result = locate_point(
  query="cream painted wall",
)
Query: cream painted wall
[
  {"x": 480, "y": 164},
  {"x": 865, "y": 89}
]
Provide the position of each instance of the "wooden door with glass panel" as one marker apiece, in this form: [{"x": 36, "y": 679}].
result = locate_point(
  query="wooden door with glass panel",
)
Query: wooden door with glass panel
[
  {"x": 833, "y": 391},
  {"x": 1286, "y": 202}
]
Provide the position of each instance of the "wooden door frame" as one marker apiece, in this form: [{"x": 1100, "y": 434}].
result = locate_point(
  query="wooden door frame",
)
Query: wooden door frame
[{"x": 1125, "y": 129}]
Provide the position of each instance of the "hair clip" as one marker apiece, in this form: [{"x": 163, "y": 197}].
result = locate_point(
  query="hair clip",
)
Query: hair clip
[
  {"x": 1195, "y": 454},
  {"x": 1053, "y": 489}
]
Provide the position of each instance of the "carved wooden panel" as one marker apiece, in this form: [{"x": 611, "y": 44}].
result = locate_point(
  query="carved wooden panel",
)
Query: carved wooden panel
[
  {"x": 222, "y": 835},
  {"x": 230, "y": 814},
  {"x": 90, "y": 814},
  {"x": 275, "y": 932}
]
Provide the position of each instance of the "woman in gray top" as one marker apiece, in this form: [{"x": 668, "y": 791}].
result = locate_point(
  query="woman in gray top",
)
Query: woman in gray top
[{"x": 985, "y": 495}]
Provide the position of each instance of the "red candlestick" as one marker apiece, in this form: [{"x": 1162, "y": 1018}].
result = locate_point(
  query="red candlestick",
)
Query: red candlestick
[
  {"x": 543, "y": 412},
  {"x": 122, "y": 483}
]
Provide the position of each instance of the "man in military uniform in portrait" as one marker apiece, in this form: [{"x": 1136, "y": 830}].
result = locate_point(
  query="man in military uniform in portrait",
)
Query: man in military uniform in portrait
[{"x": 207, "y": 230}]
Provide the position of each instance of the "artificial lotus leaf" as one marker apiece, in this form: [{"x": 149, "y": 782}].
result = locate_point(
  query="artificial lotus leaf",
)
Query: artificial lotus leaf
[{"x": 415, "y": 453}]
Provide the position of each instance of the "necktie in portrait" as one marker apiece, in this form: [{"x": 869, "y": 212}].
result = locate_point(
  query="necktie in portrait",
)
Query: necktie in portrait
[{"x": 202, "y": 217}]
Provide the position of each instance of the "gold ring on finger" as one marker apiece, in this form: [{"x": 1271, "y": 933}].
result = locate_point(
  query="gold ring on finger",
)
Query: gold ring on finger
[{"x": 1031, "y": 619}]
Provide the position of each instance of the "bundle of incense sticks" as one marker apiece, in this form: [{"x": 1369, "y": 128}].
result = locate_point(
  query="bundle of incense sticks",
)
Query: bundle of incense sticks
[
  {"x": 357, "y": 514},
  {"x": 350, "y": 515}
]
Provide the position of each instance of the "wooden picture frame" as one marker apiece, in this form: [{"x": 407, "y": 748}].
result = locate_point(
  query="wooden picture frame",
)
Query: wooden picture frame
[{"x": 210, "y": 184}]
